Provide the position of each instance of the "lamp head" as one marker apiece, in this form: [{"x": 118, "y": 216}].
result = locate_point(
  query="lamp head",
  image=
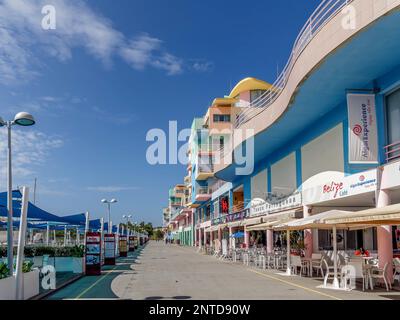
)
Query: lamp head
[
  {"x": 104, "y": 201},
  {"x": 24, "y": 119},
  {"x": 113, "y": 201},
  {"x": 2, "y": 123}
]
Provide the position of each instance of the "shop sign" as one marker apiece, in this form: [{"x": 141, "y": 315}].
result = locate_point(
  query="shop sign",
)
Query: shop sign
[
  {"x": 123, "y": 246},
  {"x": 109, "y": 249},
  {"x": 237, "y": 216},
  {"x": 292, "y": 201},
  {"x": 93, "y": 253},
  {"x": 363, "y": 138},
  {"x": 341, "y": 188}
]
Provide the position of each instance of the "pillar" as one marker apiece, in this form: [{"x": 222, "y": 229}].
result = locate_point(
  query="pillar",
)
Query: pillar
[
  {"x": 231, "y": 240},
  {"x": 270, "y": 241},
  {"x": 384, "y": 233},
  {"x": 219, "y": 239},
  {"x": 211, "y": 239},
  {"x": 246, "y": 238},
  {"x": 308, "y": 235}
]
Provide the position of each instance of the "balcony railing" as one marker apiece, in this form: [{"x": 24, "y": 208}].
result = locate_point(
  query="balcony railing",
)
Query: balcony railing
[
  {"x": 320, "y": 17},
  {"x": 208, "y": 148},
  {"x": 392, "y": 152},
  {"x": 217, "y": 185},
  {"x": 203, "y": 190},
  {"x": 205, "y": 168}
]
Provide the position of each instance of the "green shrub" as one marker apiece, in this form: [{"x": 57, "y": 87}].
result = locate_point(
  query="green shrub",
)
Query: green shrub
[
  {"x": 27, "y": 266},
  {"x": 37, "y": 251},
  {"x": 43, "y": 250},
  {"x": 3, "y": 270}
]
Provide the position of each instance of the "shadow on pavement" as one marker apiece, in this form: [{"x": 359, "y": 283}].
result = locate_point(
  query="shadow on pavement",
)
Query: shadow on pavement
[{"x": 98, "y": 287}]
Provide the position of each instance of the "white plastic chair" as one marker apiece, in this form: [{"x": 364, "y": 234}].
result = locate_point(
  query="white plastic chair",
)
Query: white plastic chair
[
  {"x": 318, "y": 266},
  {"x": 297, "y": 263},
  {"x": 396, "y": 265},
  {"x": 379, "y": 273}
]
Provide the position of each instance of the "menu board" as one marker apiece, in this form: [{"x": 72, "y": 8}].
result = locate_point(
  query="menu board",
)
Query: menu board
[
  {"x": 123, "y": 246},
  {"x": 109, "y": 249},
  {"x": 135, "y": 242},
  {"x": 93, "y": 253},
  {"x": 131, "y": 244}
]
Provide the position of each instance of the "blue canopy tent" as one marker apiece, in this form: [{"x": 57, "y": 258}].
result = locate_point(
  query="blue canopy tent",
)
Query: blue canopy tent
[
  {"x": 76, "y": 219},
  {"x": 16, "y": 224},
  {"x": 239, "y": 234},
  {"x": 34, "y": 213}
]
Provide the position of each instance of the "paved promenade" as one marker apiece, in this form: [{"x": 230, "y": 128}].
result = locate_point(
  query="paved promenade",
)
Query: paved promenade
[{"x": 162, "y": 271}]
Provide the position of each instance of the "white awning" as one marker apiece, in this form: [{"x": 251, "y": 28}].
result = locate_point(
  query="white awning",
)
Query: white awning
[
  {"x": 213, "y": 228},
  {"x": 235, "y": 224},
  {"x": 389, "y": 215},
  {"x": 249, "y": 222},
  {"x": 316, "y": 221},
  {"x": 264, "y": 226},
  {"x": 283, "y": 215}
]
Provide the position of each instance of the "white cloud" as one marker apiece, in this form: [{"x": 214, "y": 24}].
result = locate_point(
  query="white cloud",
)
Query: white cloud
[
  {"x": 202, "y": 66},
  {"x": 23, "y": 41},
  {"x": 30, "y": 149},
  {"x": 111, "y": 189},
  {"x": 144, "y": 51}
]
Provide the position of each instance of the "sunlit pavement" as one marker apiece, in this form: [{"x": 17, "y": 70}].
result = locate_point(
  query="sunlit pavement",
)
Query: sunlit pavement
[{"x": 162, "y": 271}]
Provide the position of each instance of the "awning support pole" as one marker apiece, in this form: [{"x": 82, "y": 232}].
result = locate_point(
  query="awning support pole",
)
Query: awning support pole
[
  {"x": 335, "y": 257},
  {"x": 19, "y": 276},
  {"x": 288, "y": 268},
  {"x": 47, "y": 234}
]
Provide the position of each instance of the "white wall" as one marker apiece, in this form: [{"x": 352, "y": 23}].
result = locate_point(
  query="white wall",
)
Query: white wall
[
  {"x": 259, "y": 185},
  {"x": 283, "y": 175},
  {"x": 324, "y": 153}
]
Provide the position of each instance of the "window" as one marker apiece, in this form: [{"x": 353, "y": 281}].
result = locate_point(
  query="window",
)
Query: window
[
  {"x": 222, "y": 118},
  {"x": 224, "y": 205},
  {"x": 216, "y": 209},
  {"x": 255, "y": 94},
  {"x": 392, "y": 122}
]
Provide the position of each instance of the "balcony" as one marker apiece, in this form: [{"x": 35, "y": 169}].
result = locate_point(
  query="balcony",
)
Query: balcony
[
  {"x": 175, "y": 212},
  {"x": 208, "y": 148},
  {"x": 187, "y": 180},
  {"x": 204, "y": 171},
  {"x": 217, "y": 185},
  {"x": 203, "y": 194},
  {"x": 392, "y": 152}
]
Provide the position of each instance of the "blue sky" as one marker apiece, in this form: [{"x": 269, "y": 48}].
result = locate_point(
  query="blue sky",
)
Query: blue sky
[{"x": 110, "y": 72}]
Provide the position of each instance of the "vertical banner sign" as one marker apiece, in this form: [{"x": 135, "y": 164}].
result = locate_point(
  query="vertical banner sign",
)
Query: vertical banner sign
[
  {"x": 363, "y": 140},
  {"x": 93, "y": 253},
  {"x": 109, "y": 249},
  {"x": 123, "y": 246}
]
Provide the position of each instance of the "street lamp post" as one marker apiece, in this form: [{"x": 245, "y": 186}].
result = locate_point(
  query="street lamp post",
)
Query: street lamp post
[
  {"x": 109, "y": 212},
  {"x": 22, "y": 119},
  {"x": 127, "y": 217}
]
